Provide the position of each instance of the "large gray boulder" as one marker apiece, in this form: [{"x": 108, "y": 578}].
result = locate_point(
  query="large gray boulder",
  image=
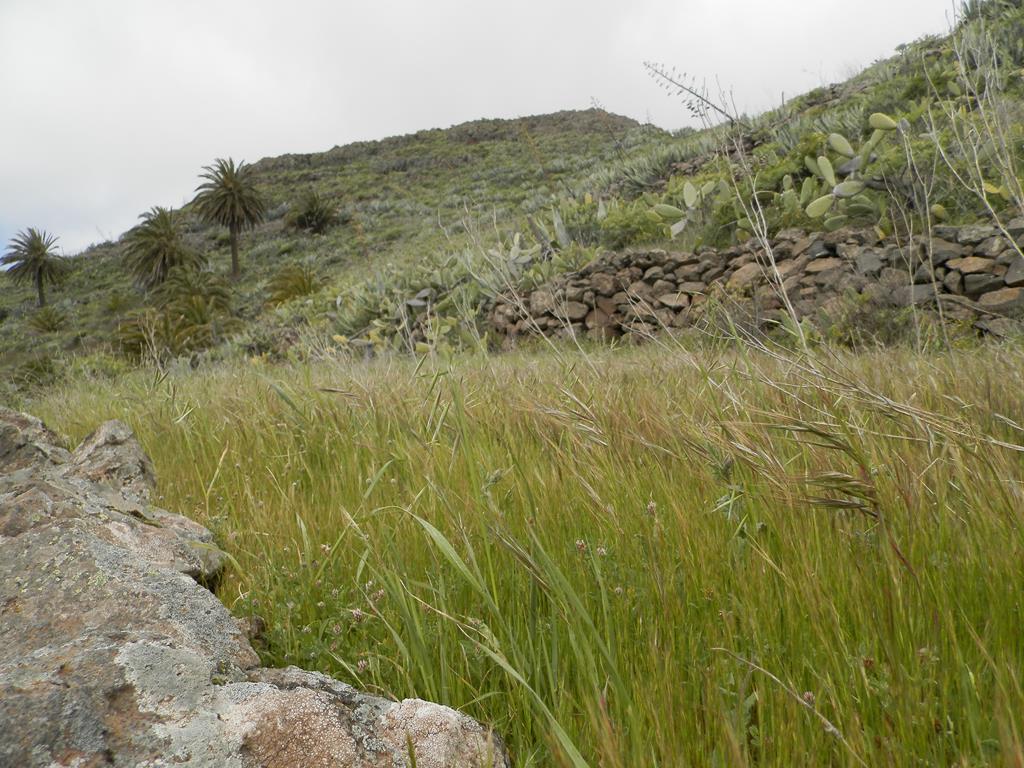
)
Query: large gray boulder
[{"x": 114, "y": 653}]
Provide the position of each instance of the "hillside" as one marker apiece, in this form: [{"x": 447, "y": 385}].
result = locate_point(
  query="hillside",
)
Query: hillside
[
  {"x": 433, "y": 226},
  {"x": 701, "y": 448},
  {"x": 401, "y": 199}
]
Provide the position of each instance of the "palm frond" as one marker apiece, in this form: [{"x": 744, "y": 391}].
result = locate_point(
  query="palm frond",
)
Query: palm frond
[{"x": 157, "y": 246}]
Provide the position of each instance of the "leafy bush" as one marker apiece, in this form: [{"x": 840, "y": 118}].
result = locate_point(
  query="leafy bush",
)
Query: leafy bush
[
  {"x": 47, "y": 320},
  {"x": 115, "y": 303},
  {"x": 157, "y": 246},
  {"x": 313, "y": 214},
  {"x": 184, "y": 285},
  {"x": 192, "y": 312},
  {"x": 291, "y": 282},
  {"x": 630, "y": 224},
  {"x": 39, "y": 371}
]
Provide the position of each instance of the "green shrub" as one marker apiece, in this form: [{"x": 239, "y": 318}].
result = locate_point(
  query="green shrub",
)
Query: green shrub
[
  {"x": 184, "y": 285},
  {"x": 630, "y": 224},
  {"x": 291, "y": 282},
  {"x": 116, "y": 302},
  {"x": 192, "y": 312},
  {"x": 39, "y": 371},
  {"x": 313, "y": 214},
  {"x": 47, "y": 320}
]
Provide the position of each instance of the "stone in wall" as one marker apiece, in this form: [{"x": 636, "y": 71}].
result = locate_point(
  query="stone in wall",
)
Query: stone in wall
[{"x": 976, "y": 273}]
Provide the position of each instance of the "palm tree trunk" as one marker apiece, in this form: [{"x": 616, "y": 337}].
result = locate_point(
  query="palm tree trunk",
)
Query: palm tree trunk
[
  {"x": 235, "y": 269},
  {"x": 39, "y": 288}
]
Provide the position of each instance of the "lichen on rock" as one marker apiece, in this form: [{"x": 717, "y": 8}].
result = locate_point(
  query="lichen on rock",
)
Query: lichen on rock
[{"x": 114, "y": 652}]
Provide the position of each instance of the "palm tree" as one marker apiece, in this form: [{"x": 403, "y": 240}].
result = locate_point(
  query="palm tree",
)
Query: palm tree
[
  {"x": 228, "y": 197},
  {"x": 31, "y": 255},
  {"x": 156, "y": 246}
]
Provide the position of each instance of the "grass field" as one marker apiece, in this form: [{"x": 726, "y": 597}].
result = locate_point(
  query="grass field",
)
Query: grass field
[{"x": 638, "y": 558}]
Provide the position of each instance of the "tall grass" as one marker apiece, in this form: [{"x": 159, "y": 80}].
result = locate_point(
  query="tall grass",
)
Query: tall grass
[{"x": 639, "y": 558}]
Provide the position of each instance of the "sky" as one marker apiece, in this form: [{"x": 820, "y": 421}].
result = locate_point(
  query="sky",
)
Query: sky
[{"x": 109, "y": 107}]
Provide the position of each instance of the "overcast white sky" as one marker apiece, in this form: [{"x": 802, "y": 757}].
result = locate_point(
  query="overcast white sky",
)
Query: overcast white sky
[{"x": 108, "y": 107}]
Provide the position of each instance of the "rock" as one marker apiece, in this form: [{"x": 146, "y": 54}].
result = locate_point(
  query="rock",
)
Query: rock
[
  {"x": 924, "y": 274},
  {"x": 838, "y": 237},
  {"x": 597, "y": 318},
  {"x": 606, "y": 304},
  {"x": 24, "y": 441},
  {"x": 848, "y": 282},
  {"x": 654, "y": 273},
  {"x": 113, "y": 653},
  {"x": 971, "y": 265},
  {"x": 111, "y": 455},
  {"x": 913, "y": 295},
  {"x": 662, "y": 286},
  {"x": 991, "y": 247},
  {"x": 800, "y": 247},
  {"x": 828, "y": 276},
  {"x": 677, "y": 300},
  {"x": 822, "y": 265},
  {"x": 744, "y": 277},
  {"x": 1015, "y": 228},
  {"x": 1005, "y": 300},
  {"x": 575, "y": 292},
  {"x": 639, "y": 290},
  {"x": 894, "y": 278},
  {"x": 905, "y": 257},
  {"x": 982, "y": 283},
  {"x": 946, "y": 231},
  {"x": 954, "y": 282},
  {"x": 693, "y": 287},
  {"x": 972, "y": 235},
  {"x": 1000, "y": 327},
  {"x": 869, "y": 262},
  {"x": 790, "y": 235},
  {"x": 541, "y": 302},
  {"x": 574, "y": 311},
  {"x": 712, "y": 274},
  {"x": 785, "y": 268},
  {"x": 943, "y": 250},
  {"x": 1014, "y": 276},
  {"x": 603, "y": 284},
  {"x": 817, "y": 249},
  {"x": 689, "y": 271}
]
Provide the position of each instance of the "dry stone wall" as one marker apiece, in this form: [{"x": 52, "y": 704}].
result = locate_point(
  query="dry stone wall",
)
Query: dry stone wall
[
  {"x": 113, "y": 653},
  {"x": 976, "y": 273}
]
